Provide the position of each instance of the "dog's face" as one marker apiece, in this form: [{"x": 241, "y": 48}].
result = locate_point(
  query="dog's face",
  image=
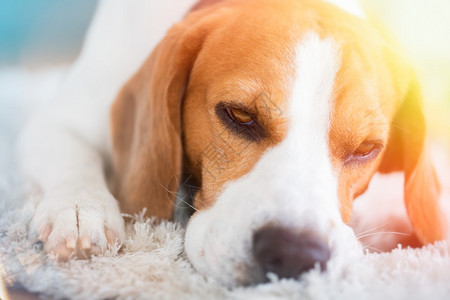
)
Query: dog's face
[
  {"x": 283, "y": 111},
  {"x": 285, "y": 137}
]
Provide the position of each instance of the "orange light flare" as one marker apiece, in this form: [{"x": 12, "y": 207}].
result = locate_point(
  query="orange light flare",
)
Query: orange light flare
[{"x": 422, "y": 28}]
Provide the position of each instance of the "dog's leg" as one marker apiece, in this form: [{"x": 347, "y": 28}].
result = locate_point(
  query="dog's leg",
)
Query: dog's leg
[
  {"x": 64, "y": 149},
  {"x": 77, "y": 213}
]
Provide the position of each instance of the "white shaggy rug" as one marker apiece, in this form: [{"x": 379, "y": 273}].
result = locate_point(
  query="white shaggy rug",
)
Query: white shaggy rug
[{"x": 151, "y": 263}]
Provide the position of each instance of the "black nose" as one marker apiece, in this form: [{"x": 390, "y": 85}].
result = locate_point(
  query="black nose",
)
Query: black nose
[{"x": 287, "y": 253}]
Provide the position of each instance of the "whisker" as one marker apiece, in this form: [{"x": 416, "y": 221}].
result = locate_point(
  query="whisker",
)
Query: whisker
[
  {"x": 369, "y": 247},
  {"x": 184, "y": 201},
  {"x": 372, "y": 229},
  {"x": 179, "y": 198},
  {"x": 401, "y": 128},
  {"x": 383, "y": 232}
]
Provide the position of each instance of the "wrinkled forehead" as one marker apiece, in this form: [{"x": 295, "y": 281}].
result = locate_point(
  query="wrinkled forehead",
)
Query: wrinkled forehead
[{"x": 255, "y": 45}]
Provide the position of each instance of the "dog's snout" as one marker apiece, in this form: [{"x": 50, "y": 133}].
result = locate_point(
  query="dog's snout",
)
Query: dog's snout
[{"x": 287, "y": 253}]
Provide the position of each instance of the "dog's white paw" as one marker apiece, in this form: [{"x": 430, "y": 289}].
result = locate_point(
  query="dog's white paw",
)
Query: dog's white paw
[{"x": 78, "y": 223}]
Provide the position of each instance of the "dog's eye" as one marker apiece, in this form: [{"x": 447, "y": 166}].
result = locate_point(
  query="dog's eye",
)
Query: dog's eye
[
  {"x": 240, "y": 116},
  {"x": 364, "y": 153},
  {"x": 240, "y": 121},
  {"x": 364, "y": 149}
]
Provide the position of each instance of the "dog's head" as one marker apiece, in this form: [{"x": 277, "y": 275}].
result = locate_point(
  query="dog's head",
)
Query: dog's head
[{"x": 282, "y": 111}]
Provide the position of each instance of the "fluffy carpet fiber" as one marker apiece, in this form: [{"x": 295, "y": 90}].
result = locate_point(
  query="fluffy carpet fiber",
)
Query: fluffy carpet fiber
[{"x": 151, "y": 263}]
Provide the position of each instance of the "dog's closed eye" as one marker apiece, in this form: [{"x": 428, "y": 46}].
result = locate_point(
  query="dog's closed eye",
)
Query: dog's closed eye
[
  {"x": 364, "y": 149},
  {"x": 240, "y": 121},
  {"x": 364, "y": 153},
  {"x": 240, "y": 116}
]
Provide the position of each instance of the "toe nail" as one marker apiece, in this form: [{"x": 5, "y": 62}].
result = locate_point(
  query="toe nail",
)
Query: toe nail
[
  {"x": 111, "y": 236},
  {"x": 96, "y": 250},
  {"x": 71, "y": 243},
  {"x": 86, "y": 243},
  {"x": 44, "y": 233}
]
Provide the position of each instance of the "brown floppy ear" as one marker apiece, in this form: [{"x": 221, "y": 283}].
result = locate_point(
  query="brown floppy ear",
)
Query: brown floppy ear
[
  {"x": 145, "y": 125},
  {"x": 407, "y": 152}
]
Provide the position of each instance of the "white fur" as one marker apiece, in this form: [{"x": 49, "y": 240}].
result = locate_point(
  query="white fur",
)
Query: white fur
[
  {"x": 350, "y": 6},
  {"x": 64, "y": 149},
  {"x": 302, "y": 195}
]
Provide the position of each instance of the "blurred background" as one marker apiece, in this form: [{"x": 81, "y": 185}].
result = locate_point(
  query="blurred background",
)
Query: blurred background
[
  {"x": 38, "y": 40},
  {"x": 422, "y": 28},
  {"x": 44, "y": 34},
  {"x": 35, "y": 33}
]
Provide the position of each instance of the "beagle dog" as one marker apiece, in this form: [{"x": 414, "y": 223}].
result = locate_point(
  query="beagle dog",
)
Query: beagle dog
[{"x": 279, "y": 112}]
